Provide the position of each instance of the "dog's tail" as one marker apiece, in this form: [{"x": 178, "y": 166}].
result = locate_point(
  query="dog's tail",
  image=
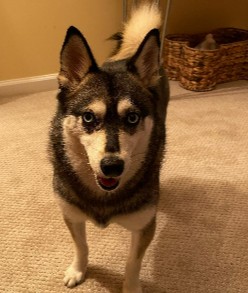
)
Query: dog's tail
[{"x": 143, "y": 19}]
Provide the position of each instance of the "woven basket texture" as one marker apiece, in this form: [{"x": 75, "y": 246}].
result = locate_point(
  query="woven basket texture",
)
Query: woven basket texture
[{"x": 201, "y": 70}]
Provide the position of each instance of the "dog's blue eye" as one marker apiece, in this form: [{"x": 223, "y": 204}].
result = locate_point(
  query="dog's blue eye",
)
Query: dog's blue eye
[
  {"x": 89, "y": 117},
  {"x": 133, "y": 118}
]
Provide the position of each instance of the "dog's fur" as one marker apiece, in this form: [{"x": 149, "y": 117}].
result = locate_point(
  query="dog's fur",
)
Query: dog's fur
[{"x": 107, "y": 139}]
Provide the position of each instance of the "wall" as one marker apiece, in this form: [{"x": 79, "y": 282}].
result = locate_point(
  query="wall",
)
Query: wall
[
  {"x": 32, "y": 32},
  {"x": 194, "y": 16}
]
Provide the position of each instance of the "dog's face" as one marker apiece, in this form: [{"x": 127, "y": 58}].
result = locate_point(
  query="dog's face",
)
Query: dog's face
[{"x": 109, "y": 113}]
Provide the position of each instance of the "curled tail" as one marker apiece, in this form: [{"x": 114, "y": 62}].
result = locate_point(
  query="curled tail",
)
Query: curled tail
[{"x": 143, "y": 19}]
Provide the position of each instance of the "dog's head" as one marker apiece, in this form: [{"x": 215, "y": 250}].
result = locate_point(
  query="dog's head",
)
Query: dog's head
[{"x": 107, "y": 112}]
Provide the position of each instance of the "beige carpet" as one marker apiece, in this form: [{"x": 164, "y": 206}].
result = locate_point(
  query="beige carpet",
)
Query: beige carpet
[{"x": 201, "y": 244}]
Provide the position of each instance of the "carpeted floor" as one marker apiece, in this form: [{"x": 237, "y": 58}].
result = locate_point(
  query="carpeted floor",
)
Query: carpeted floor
[{"x": 201, "y": 243}]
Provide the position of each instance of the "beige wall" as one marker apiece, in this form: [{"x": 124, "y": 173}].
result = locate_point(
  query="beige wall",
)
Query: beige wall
[
  {"x": 194, "y": 16},
  {"x": 32, "y": 31}
]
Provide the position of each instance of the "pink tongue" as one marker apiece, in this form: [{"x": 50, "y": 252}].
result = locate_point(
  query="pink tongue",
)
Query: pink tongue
[{"x": 108, "y": 182}]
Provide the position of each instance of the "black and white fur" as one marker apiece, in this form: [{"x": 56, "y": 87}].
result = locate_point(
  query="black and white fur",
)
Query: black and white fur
[{"x": 107, "y": 139}]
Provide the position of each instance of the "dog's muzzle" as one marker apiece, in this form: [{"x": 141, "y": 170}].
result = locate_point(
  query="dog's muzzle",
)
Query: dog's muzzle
[{"x": 112, "y": 167}]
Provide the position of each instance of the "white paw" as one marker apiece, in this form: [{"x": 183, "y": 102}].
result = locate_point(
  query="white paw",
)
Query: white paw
[{"x": 73, "y": 277}]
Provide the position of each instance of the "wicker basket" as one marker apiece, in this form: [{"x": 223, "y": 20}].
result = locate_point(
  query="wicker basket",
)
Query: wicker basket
[{"x": 199, "y": 70}]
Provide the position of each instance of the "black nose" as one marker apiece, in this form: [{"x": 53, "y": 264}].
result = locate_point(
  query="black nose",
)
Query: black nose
[{"x": 112, "y": 166}]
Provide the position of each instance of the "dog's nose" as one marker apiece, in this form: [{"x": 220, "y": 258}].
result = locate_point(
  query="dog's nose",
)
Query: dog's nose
[{"x": 112, "y": 166}]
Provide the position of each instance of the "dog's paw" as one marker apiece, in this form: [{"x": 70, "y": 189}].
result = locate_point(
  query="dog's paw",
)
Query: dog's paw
[{"x": 73, "y": 277}]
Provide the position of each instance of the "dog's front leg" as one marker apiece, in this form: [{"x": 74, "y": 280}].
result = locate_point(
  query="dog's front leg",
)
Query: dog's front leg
[
  {"x": 140, "y": 241},
  {"x": 75, "y": 273}
]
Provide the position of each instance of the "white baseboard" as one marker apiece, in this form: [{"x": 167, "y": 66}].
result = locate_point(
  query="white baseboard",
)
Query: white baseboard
[{"x": 28, "y": 85}]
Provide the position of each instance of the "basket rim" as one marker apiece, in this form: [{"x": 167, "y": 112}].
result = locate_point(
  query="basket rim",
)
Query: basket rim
[
  {"x": 208, "y": 32},
  {"x": 171, "y": 38},
  {"x": 186, "y": 42}
]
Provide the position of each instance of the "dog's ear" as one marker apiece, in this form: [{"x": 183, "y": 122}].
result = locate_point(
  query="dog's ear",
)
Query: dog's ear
[
  {"x": 76, "y": 60},
  {"x": 145, "y": 62}
]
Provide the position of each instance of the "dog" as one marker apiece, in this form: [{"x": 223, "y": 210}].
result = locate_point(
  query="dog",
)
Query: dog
[{"x": 107, "y": 139}]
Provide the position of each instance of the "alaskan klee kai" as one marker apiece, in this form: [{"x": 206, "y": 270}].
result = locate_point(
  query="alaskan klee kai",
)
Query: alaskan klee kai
[{"x": 107, "y": 139}]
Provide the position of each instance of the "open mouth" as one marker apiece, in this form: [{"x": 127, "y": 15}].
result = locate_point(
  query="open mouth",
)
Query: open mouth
[{"x": 108, "y": 183}]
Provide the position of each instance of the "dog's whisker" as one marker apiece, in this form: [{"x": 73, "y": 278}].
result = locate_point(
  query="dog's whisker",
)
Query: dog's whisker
[{"x": 138, "y": 154}]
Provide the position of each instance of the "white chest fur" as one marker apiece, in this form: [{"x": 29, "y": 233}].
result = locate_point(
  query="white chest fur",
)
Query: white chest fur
[{"x": 132, "y": 222}]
